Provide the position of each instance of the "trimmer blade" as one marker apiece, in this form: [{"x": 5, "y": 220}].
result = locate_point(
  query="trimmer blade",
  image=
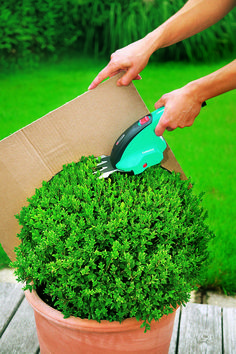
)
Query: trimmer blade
[{"x": 106, "y": 167}]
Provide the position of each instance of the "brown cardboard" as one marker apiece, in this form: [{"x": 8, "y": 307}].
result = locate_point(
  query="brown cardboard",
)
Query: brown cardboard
[{"x": 87, "y": 125}]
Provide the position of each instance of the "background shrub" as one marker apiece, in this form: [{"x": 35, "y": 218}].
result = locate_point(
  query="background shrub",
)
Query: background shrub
[{"x": 31, "y": 29}]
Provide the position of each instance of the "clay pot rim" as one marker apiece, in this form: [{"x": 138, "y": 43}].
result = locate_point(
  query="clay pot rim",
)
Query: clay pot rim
[{"x": 56, "y": 316}]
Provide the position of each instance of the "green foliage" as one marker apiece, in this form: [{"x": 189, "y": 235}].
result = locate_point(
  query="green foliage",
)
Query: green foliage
[
  {"x": 30, "y": 29},
  {"x": 4, "y": 260},
  {"x": 126, "y": 246}
]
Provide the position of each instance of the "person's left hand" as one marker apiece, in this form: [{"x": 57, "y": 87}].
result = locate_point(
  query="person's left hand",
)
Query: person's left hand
[
  {"x": 131, "y": 60},
  {"x": 181, "y": 109}
]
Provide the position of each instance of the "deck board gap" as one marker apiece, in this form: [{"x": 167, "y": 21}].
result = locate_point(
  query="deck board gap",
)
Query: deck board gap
[
  {"x": 222, "y": 332},
  {"x": 15, "y": 309},
  {"x": 178, "y": 331}
]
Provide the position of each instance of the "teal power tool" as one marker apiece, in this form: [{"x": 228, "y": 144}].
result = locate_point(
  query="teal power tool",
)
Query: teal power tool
[{"x": 137, "y": 148}]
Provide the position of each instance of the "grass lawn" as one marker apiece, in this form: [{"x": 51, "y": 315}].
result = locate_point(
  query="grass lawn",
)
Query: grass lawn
[{"x": 206, "y": 151}]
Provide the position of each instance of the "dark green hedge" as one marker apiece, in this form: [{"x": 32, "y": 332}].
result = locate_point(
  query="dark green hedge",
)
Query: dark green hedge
[{"x": 31, "y": 29}]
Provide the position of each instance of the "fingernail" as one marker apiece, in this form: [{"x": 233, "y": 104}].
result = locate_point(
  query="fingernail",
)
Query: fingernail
[{"x": 157, "y": 133}]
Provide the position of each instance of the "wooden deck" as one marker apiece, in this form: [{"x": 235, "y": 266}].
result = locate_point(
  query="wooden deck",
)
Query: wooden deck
[{"x": 198, "y": 328}]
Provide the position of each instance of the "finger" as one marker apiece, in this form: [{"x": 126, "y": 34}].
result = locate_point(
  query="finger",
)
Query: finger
[
  {"x": 160, "y": 103},
  {"x": 105, "y": 73},
  {"x": 161, "y": 126},
  {"x": 138, "y": 77},
  {"x": 116, "y": 72},
  {"x": 126, "y": 79}
]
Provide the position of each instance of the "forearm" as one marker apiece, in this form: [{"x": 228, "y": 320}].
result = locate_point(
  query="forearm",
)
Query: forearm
[
  {"x": 183, "y": 105},
  {"x": 193, "y": 17},
  {"x": 215, "y": 84}
]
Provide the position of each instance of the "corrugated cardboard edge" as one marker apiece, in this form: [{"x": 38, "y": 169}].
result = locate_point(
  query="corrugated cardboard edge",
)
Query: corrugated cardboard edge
[
  {"x": 87, "y": 125},
  {"x": 170, "y": 163}
]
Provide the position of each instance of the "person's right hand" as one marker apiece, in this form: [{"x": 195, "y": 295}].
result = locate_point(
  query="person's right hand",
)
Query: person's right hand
[
  {"x": 132, "y": 59},
  {"x": 182, "y": 106}
]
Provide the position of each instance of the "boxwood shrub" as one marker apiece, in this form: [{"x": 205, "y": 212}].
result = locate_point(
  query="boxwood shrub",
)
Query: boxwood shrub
[{"x": 126, "y": 246}]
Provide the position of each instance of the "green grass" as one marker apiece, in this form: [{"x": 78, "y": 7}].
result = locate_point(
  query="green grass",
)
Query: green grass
[
  {"x": 206, "y": 151},
  {"x": 4, "y": 260},
  {"x": 28, "y": 95}
]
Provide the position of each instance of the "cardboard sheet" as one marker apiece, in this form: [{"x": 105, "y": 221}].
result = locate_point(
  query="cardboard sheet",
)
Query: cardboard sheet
[{"x": 87, "y": 125}]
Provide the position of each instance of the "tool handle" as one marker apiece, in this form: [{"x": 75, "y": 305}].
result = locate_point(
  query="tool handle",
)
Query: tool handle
[
  {"x": 156, "y": 115},
  {"x": 129, "y": 134},
  {"x": 137, "y": 140}
]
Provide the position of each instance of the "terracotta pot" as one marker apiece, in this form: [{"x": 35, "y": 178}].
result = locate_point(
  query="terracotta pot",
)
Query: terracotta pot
[{"x": 74, "y": 335}]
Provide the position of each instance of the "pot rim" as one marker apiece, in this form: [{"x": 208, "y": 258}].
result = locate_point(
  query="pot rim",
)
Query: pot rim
[{"x": 56, "y": 316}]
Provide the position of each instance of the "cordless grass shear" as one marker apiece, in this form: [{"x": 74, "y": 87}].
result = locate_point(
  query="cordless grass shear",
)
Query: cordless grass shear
[{"x": 137, "y": 148}]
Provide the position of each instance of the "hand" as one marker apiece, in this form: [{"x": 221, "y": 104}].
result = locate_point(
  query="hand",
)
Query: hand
[
  {"x": 131, "y": 59},
  {"x": 181, "y": 109}
]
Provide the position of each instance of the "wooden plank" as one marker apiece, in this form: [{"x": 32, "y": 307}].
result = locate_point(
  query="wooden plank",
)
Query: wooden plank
[
  {"x": 197, "y": 328},
  {"x": 20, "y": 336},
  {"x": 174, "y": 338},
  {"x": 200, "y": 329},
  {"x": 229, "y": 330},
  {"x": 11, "y": 295}
]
